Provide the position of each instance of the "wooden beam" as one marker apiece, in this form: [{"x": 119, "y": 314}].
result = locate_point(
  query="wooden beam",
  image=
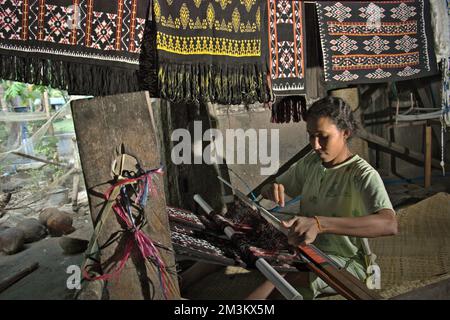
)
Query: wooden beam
[
  {"x": 282, "y": 169},
  {"x": 102, "y": 126},
  {"x": 51, "y": 130},
  {"x": 24, "y": 155},
  {"x": 399, "y": 150},
  {"x": 9, "y": 281},
  {"x": 76, "y": 177},
  {"x": 427, "y": 156}
]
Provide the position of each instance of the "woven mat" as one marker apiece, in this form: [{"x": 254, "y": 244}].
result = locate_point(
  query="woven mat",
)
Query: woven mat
[{"x": 420, "y": 253}]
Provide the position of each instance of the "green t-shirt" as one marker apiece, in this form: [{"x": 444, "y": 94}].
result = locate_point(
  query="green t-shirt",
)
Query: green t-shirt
[{"x": 351, "y": 189}]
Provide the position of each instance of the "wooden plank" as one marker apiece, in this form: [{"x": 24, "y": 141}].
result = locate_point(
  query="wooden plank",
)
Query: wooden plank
[
  {"x": 76, "y": 177},
  {"x": 427, "y": 168},
  {"x": 9, "y": 281},
  {"x": 401, "y": 151},
  {"x": 103, "y": 125}
]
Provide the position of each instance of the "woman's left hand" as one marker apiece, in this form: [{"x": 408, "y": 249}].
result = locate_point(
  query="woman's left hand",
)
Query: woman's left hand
[{"x": 302, "y": 230}]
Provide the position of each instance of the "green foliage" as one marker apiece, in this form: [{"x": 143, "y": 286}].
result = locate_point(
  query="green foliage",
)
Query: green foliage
[
  {"x": 48, "y": 148},
  {"x": 27, "y": 91},
  {"x": 64, "y": 125},
  {"x": 15, "y": 89}
]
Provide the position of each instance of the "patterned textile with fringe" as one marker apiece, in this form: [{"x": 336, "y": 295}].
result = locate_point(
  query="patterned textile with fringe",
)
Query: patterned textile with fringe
[
  {"x": 368, "y": 41},
  {"x": 210, "y": 51},
  {"x": 87, "y": 47},
  {"x": 286, "y": 58},
  {"x": 286, "y": 47}
]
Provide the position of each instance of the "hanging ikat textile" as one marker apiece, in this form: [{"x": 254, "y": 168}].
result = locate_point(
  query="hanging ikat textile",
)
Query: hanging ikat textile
[
  {"x": 286, "y": 58},
  {"x": 210, "y": 50},
  {"x": 378, "y": 41},
  {"x": 286, "y": 47},
  {"x": 83, "y": 46}
]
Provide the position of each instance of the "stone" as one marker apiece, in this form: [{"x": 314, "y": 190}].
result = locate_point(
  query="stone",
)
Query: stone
[
  {"x": 32, "y": 229},
  {"x": 59, "y": 224},
  {"x": 4, "y": 199},
  {"x": 47, "y": 213},
  {"x": 12, "y": 240},
  {"x": 73, "y": 245}
]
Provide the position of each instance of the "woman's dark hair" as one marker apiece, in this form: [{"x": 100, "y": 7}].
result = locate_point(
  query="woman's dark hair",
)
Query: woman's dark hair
[{"x": 337, "y": 110}]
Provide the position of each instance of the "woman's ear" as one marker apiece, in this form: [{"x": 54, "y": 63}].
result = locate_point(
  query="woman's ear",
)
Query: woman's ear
[{"x": 347, "y": 134}]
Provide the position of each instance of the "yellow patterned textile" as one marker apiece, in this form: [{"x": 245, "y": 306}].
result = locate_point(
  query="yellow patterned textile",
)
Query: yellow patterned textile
[{"x": 210, "y": 50}]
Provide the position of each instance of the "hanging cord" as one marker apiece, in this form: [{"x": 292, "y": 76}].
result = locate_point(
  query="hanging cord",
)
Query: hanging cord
[
  {"x": 445, "y": 117},
  {"x": 120, "y": 202}
]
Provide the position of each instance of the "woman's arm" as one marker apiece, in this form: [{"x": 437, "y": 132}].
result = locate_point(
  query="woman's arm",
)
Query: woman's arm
[{"x": 305, "y": 229}]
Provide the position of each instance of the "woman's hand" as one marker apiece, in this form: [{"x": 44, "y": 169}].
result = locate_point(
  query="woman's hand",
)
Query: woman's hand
[
  {"x": 302, "y": 230},
  {"x": 274, "y": 192}
]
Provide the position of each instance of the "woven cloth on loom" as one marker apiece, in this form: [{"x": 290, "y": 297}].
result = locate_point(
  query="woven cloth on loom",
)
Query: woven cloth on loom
[
  {"x": 42, "y": 42},
  {"x": 364, "y": 41},
  {"x": 210, "y": 50},
  {"x": 198, "y": 239}
]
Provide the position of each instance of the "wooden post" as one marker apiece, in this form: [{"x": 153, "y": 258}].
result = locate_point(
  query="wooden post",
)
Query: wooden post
[
  {"x": 102, "y": 126},
  {"x": 427, "y": 156},
  {"x": 76, "y": 177},
  {"x": 47, "y": 112},
  {"x": 351, "y": 97}
]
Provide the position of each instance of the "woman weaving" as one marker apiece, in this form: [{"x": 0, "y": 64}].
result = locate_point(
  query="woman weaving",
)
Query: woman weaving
[{"x": 343, "y": 198}]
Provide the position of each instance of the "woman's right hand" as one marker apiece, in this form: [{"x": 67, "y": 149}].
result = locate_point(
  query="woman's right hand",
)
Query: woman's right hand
[{"x": 274, "y": 192}]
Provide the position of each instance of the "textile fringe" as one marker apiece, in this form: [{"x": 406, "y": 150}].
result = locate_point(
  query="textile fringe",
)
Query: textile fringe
[
  {"x": 223, "y": 84},
  {"x": 148, "y": 60},
  {"x": 75, "y": 77},
  {"x": 289, "y": 108}
]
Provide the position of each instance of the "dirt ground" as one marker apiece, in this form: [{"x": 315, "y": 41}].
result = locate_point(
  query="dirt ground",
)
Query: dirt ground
[{"x": 48, "y": 281}]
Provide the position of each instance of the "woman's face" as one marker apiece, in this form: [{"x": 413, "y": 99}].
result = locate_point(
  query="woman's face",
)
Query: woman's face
[{"x": 327, "y": 140}]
